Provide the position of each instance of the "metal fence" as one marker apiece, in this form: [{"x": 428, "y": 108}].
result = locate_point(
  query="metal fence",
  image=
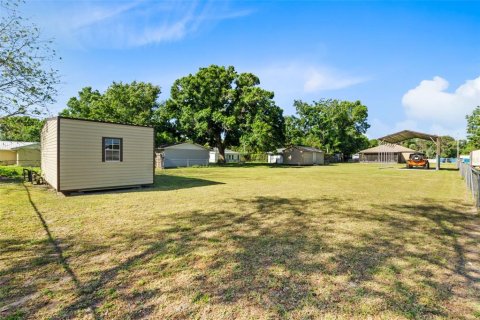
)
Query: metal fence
[{"x": 472, "y": 179}]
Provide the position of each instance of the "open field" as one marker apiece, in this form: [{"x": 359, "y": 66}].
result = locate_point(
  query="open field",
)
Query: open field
[{"x": 342, "y": 241}]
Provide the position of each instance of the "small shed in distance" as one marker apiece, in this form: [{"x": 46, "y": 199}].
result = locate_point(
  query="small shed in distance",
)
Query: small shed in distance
[
  {"x": 79, "y": 154},
  {"x": 181, "y": 155},
  {"x": 386, "y": 152},
  {"x": 300, "y": 155}
]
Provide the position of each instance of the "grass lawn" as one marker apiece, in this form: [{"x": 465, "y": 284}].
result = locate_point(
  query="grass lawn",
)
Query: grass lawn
[{"x": 331, "y": 242}]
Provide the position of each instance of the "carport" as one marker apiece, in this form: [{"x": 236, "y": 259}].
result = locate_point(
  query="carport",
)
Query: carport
[{"x": 408, "y": 134}]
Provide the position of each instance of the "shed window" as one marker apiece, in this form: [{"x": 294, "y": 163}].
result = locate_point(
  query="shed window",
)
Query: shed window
[{"x": 112, "y": 150}]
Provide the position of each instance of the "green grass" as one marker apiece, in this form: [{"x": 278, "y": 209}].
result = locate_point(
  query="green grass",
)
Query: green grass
[
  {"x": 13, "y": 172},
  {"x": 245, "y": 242}
]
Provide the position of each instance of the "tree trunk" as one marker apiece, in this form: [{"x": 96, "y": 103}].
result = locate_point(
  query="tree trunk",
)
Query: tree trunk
[{"x": 221, "y": 153}]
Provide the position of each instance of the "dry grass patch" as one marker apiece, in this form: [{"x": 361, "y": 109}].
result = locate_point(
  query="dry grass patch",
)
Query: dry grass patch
[{"x": 344, "y": 241}]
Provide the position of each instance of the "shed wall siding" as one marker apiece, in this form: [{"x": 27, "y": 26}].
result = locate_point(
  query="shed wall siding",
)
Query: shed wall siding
[
  {"x": 81, "y": 165},
  {"x": 49, "y": 152}
]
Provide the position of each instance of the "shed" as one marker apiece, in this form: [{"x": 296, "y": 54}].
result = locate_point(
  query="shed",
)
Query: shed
[
  {"x": 275, "y": 157},
  {"x": 301, "y": 155},
  {"x": 79, "y": 154},
  {"x": 230, "y": 156},
  {"x": 393, "y": 153},
  {"x": 20, "y": 153},
  {"x": 181, "y": 155}
]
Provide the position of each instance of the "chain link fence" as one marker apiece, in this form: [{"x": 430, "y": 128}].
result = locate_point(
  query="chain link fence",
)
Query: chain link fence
[{"x": 472, "y": 179}]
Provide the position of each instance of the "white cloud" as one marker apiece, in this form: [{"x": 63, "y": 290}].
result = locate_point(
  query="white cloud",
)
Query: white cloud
[
  {"x": 430, "y": 102},
  {"x": 319, "y": 79},
  {"x": 302, "y": 80},
  {"x": 309, "y": 78}
]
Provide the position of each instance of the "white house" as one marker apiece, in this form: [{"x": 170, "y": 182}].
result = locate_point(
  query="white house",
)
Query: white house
[
  {"x": 230, "y": 156},
  {"x": 275, "y": 157}
]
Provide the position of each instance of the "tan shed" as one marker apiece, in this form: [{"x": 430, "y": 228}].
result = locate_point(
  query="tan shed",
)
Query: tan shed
[
  {"x": 300, "y": 155},
  {"x": 80, "y": 154}
]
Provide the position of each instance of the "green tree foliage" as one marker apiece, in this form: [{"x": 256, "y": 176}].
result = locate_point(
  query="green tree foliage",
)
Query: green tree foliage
[
  {"x": 132, "y": 103},
  {"x": 27, "y": 81},
  {"x": 332, "y": 125},
  {"x": 473, "y": 130},
  {"x": 448, "y": 146},
  {"x": 223, "y": 108},
  {"x": 20, "y": 128}
]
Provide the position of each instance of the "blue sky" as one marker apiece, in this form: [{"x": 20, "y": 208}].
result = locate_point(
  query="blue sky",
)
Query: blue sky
[{"x": 416, "y": 65}]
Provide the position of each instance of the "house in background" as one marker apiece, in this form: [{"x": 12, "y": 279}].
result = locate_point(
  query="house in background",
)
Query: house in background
[
  {"x": 20, "y": 153},
  {"x": 181, "y": 155},
  {"x": 275, "y": 157},
  {"x": 393, "y": 153},
  {"x": 80, "y": 155},
  {"x": 300, "y": 155},
  {"x": 230, "y": 156}
]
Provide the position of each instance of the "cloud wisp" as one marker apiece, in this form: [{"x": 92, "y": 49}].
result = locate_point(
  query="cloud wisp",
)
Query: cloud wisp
[{"x": 139, "y": 23}]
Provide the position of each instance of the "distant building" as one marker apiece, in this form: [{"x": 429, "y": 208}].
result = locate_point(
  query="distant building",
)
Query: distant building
[
  {"x": 230, "y": 156},
  {"x": 20, "y": 153},
  {"x": 393, "y": 153},
  {"x": 300, "y": 155},
  {"x": 181, "y": 155},
  {"x": 275, "y": 157}
]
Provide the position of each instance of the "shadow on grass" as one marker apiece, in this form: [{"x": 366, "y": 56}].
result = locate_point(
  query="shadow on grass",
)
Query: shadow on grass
[
  {"x": 279, "y": 256},
  {"x": 162, "y": 182},
  {"x": 167, "y": 182}
]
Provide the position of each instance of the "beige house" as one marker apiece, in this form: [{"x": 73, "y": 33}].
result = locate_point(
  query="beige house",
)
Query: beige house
[
  {"x": 82, "y": 154},
  {"x": 393, "y": 153},
  {"x": 300, "y": 155},
  {"x": 20, "y": 153}
]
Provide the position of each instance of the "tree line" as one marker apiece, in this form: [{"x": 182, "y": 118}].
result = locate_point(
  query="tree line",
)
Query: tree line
[{"x": 216, "y": 107}]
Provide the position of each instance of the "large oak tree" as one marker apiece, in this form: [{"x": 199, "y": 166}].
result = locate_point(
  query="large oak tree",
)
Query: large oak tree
[{"x": 223, "y": 108}]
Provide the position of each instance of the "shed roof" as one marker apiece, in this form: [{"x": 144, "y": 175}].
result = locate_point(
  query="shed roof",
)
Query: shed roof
[
  {"x": 407, "y": 134},
  {"x": 387, "y": 148},
  {"x": 15, "y": 145},
  {"x": 308, "y": 149},
  {"x": 226, "y": 151},
  {"x": 179, "y": 145}
]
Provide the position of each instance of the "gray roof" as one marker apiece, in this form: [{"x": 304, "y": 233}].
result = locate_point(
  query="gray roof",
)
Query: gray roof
[
  {"x": 387, "y": 148},
  {"x": 14, "y": 145},
  {"x": 408, "y": 134},
  {"x": 304, "y": 148},
  {"x": 226, "y": 151}
]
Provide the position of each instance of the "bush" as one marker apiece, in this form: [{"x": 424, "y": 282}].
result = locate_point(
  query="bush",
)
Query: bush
[
  {"x": 255, "y": 157},
  {"x": 12, "y": 172}
]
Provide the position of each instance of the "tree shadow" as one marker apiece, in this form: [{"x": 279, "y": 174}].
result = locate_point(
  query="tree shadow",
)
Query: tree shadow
[{"x": 284, "y": 259}]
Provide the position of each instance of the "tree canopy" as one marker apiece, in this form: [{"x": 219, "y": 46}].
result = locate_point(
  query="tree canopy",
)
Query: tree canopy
[
  {"x": 473, "y": 129},
  {"x": 333, "y": 125},
  {"x": 222, "y": 108},
  {"x": 20, "y": 128},
  {"x": 27, "y": 81},
  {"x": 131, "y": 103}
]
